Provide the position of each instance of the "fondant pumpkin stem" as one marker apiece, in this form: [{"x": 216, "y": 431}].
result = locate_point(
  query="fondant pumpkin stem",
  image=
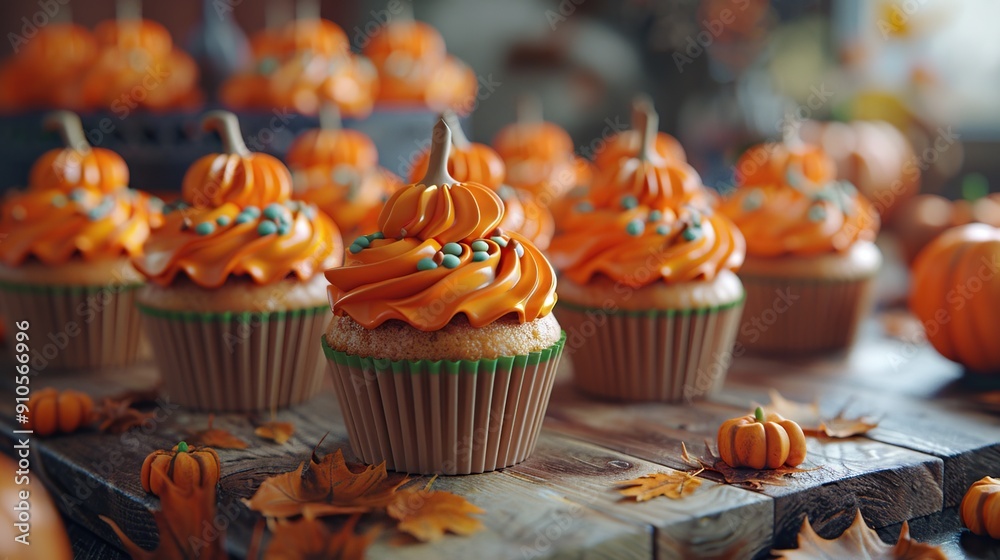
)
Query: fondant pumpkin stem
[
  {"x": 457, "y": 134},
  {"x": 228, "y": 127},
  {"x": 974, "y": 187},
  {"x": 437, "y": 163},
  {"x": 642, "y": 103},
  {"x": 182, "y": 447},
  {"x": 529, "y": 109},
  {"x": 758, "y": 414},
  {"x": 70, "y": 128},
  {"x": 329, "y": 117},
  {"x": 129, "y": 13},
  {"x": 650, "y": 122}
]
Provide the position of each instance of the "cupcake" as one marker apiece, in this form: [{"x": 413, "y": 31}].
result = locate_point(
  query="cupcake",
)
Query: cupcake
[
  {"x": 811, "y": 261},
  {"x": 337, "y": 170},
  {"x": 65, "y": 256},
  {"x": 647, "y": 290},
  {"x": 443, "y": 348},
  {"x": 471, "y": 162},
  {"x": 236, "y": 296}
]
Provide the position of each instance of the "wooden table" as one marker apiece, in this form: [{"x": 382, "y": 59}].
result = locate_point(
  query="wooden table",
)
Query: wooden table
[{"x": 929, "y": 446}]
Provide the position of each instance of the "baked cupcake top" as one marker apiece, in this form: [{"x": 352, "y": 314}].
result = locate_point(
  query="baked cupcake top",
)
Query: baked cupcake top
[
  {"x": 77, "y": 204},
  {"x": 646, "y": 220},
  {"x": 236, "y": 219},
  {"x": 439, "y": 253},
  {"x": 804, "y": 212}
]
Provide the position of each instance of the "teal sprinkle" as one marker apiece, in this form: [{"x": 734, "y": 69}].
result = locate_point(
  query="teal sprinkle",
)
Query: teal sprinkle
[
  {"x": 310, "y": 212},
  {"x": 629, "y": 202},
  {"x": 662, "y": 229},
  {"x": 426, "y": 263},
  {"x": 273, "y": 211},
  {"x": 817, "y": 213},
  {"x": 655, "y": 216},
  {"x": 283, "y": 229},
  {"x": 204, "y": 228},
  {"x": 355, "y": 248},
  {"x": 696, "y": 219},
  {"x": 77, "y": 195},
  {"x": 480, "y": 245},
  {"x": 243, "y": 218},
  {"x": 58, "y": 201},
  {"x": 451, "y": 261},
  {"x": 252, "y": 211},
  {"x": 361, "y": 242},
  {"x": 376, "y": 235},
  {"x": 453, "y": 249},
  {"x": 519, "y": 250},
  {"x": 266, "y": 228},
  {"x": 222, "y": 221},
  {"x": 584, "y": 207},
  {"x": 97, "y": 213},
  {"x": 480, "y": 256},
  {"x": 753, "y": 200},
  {"x": 499, "y": 241},
  {"x": 690, "y": 234},
  {"x": 267, "y": 65},
  {"x": 634, "y": 227}
]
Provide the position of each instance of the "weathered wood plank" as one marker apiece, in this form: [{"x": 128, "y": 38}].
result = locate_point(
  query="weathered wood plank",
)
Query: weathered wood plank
[
  {"x": 716, "y": 521},
  {"x": 889, "y": 483}
]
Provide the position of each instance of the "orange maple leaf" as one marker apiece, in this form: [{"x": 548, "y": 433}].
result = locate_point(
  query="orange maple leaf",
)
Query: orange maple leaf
[
  {"x": 326, "y": 487},
  {"x": 675, "y": 485},
  {"x": 216, "y": 437},
  {"x": 309, "y": 539},
  {"x": 858, "y": 542},
  {"x": 428, "y": 514},
  {"x": 278, "y": 432},
  {"x": 181, "y": 523},
  {"x": 807, "y": 415}
]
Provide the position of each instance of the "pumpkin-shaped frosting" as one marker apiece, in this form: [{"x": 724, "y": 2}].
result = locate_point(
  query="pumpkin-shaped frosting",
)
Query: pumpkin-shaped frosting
[
  {"x": 438, "y": 253},
  {"x": 531, "y": 138},
  {"x": 236, "y": 219},
  {"x": 353, "y": 197},
  {"x": 132, "y": 34},
  {"x": 956, "y": 274},
  {"x": 628, "y": 143},
  {"x": 760, "y": 442},
  {"x": 77, "y": 164},
  {"x": 788, "y": 161},
  {"x": 980, "y": 509},
  {"x": 186, "y": 466},
  {"x": 42, "y": 71},
  {"x": 332, "y": 145},
  {"x": 407, "y": 53},
  {"x": 468, "y": 162},
  {"x": 319, "y": 36}
]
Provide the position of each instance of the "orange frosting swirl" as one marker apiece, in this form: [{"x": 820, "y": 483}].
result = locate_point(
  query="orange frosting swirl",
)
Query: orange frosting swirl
[
  {"x": 439, "y": 254},
  {"x": 54, "y": 226},
  {"x": 640, "y": 245},
  {"x": 782, "y": 219},
  {"x": 211, "y": 244}
]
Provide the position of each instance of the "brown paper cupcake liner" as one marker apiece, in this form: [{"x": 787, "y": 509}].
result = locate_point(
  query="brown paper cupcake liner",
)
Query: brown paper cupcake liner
[
  {"x": 789, "y": 316},
  {"x": 444, "y": 417},
  {"x": 238, "y": 361},
  {"x": 75, "y": 327},
  {"x": 657, "y": 355}
]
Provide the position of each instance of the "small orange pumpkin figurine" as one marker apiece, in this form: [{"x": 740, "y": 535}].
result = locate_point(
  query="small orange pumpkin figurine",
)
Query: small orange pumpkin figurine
[
  {"x": 980, "y": 509},
  {"x": 185, "y": 466},
  {"x": 628, "y": 143},
  {"x": 236, "y": 175},
  {"x": 469, "y": 162},
  {"x": 955, "y": 294},
  {"x": 757, "y": 442},
  {"x": 788, "y": 161},
  {"x": 78, "y": 164},
  {"x": 51, "y": 411},
  {"x": 332, "y": 145}
]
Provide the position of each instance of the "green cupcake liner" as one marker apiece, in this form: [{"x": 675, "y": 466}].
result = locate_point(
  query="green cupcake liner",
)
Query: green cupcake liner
[{"x": 226, "y": 316}]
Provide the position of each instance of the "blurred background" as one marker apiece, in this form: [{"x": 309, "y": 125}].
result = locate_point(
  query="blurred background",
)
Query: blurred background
[{"x": 722, "y": 74}]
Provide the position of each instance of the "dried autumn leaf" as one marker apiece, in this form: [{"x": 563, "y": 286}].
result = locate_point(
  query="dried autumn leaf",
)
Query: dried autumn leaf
[
  {"x": 752, "y": 479},
  {"x": 428, "y": 514},
  {"x": 278, "y": 432},
  {"x": 858, "y": 542},
  {"x": 674, "y": 485},
  {"x": 184, "y": 514},
  {"x": 216, "y": 437},
  {"x": 840, "y": 427},
  {"x": 117, "y": 416},
  {"x": 326, "y": 487},
  {"x": 806, "y": 415},
  {"x": 309, "y": 539}
]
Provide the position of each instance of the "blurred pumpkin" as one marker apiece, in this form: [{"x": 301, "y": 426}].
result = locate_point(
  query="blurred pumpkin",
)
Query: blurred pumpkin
[
  {"x": 531, "y": 138},
  {"x": 48, "y": 536},
  {"x": 627, "y": 143},
  {"x": 406, "y": 53},
  {"x": 130, "y": 34},
  {"x": 468, "y": 162},
  {"x": 236, "y": 175},
  {"x": 760, "y": 442},
  {"x": 64, "y": 412},
  {"x": 453, "y": 87},
  {"x": 186, "y": 466},
  {"x": 78, "y": 164},
  {"x": 980, "y": 508},
  {"x": 524, "y": 214},
  {"x": 874, "y": 156},
  {"x": 353, "y": 196},
  {"x": 41, "y": 73},
  {"x": 790, "y": 161},
  {"x": 955, "y": 293},
  {"x": 332, "y": 145},
  {"x": 321, "y": 37}
]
